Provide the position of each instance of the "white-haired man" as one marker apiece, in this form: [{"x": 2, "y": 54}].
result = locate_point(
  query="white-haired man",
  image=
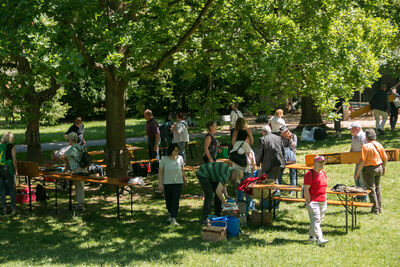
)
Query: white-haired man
[
  {"x": 271, "y": 154},
  {"x": 357, "y": 141}
]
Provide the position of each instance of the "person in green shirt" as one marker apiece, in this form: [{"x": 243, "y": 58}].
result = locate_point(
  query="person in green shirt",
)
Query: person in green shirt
[{"x": 213, "y": 178}]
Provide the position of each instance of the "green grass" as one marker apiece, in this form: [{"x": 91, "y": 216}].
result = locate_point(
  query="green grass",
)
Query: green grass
[
  {"x": 97, "y": 238},
  {"x": 94, "y": 130}
]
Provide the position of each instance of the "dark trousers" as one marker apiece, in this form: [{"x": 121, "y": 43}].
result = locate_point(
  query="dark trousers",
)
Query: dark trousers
[
  {"x": 372, "y": 179},
  {"x": 337, "y": 125},
  {"x": 153, "y": 155},
  {"x": 275, "y": 174},
  {"x": 209, "y": 193},
  {"x": 393, "y": 118},
  {"x": 172, "y": 193},
  {"x": 6, "y": 175}
]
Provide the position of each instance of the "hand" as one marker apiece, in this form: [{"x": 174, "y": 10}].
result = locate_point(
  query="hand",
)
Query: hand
[
  {"x": 83, "y": 142},
  {"x": 155, "y": 148},
  {"x": 356, "y": 176},
  {"x": 211, "y": 160},
  {"x": 16, "y": 173},
  {"x": 383, "y": 171},
  {"x": 225, "y": 204},
  {"x": 185, "y": 184},
  {"x": 161, "y": 187}
]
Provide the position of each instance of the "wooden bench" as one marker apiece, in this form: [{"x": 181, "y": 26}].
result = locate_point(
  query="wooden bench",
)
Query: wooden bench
[
  {"x": 350, "y": 207},
  {"x": 190, "y": 145}
]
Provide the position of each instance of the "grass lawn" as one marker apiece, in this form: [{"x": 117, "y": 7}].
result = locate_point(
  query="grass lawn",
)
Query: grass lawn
[
  {"x": 94, "y": 130},
  {"x": 96, "y": 237}
]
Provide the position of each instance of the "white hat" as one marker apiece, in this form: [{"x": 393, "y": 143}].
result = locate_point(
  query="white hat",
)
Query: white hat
[{"x": 354, "y": 125}]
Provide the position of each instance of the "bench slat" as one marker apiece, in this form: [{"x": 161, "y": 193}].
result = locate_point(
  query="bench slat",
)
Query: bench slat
[{"x": 329, "y": 201}]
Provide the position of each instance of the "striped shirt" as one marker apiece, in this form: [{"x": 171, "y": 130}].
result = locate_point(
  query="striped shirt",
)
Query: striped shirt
[{"x": 216, "y": 172}]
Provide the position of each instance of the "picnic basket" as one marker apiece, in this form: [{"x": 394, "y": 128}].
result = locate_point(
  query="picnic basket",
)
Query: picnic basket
[{"x": 214, "y": 233}]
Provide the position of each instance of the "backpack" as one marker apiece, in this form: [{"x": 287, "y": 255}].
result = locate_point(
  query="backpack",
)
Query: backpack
[
  {"x": 86, "y": 160},
  {"x": 3, "y": 158},
  {"x": 41, "y": 194},
  {"x": 319, "y": 134}
]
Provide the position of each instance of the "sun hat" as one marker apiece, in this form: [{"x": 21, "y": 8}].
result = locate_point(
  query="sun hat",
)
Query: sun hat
[{"x": 319, "y": 159}]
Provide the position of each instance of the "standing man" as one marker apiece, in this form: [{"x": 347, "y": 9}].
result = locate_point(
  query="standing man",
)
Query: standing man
[
  {"x": 372, "y": 163},
  {"x": 181, "y": 134},
  {"x": 380, "y": 104},
  {"x": 153, "y": 135},
  {"x": 271, "y": 154},
  {"x": 235, "y": 114},
  {"x": 77, "y": 128},
  {"x": 358, "y": 139},
  {"x": 394, "y": 110}
]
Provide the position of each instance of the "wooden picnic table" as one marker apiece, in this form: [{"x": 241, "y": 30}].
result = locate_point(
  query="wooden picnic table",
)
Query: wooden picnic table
[
  {"x": 56, "y": 176},
  {"x": 346, "y": 199},
  {"x": 101, "y": 152}
]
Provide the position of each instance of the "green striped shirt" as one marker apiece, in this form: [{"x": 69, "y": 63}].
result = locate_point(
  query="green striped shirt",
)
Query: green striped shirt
[{"x": 215, "y": 172}]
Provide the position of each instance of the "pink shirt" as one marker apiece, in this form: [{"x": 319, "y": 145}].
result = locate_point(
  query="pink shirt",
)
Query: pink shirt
[{"x": 318, "y": 183}]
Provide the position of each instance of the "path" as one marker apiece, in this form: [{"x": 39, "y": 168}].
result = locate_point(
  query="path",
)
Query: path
[{"x": 291, "y": 121}]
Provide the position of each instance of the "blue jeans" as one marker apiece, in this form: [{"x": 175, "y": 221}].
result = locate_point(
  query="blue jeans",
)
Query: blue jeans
[
  {"x": 360, "y": 183},
  {"x": 6, "y": 175},
  {"x": 240, "y": 195},
  {"x": 293, "y": 176},
  {"x": 182, "y": 146}
]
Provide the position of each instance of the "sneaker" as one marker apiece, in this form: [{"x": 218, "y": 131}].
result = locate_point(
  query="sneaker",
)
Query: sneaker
[
  {"x": 174, "y": 222},
  {"x": 169, "y": 218},
  {"x": 79, "y": 207},
  {"x": 380, "y": 131},
  {"x": 321, "y": 241},
  {"x": 312, "y": 239}
]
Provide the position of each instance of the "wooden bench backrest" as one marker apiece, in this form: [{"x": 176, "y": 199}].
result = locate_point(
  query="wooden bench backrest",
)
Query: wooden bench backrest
[
  {"x": 27, "y": 168},
  {"x": 310, "y": 159}
]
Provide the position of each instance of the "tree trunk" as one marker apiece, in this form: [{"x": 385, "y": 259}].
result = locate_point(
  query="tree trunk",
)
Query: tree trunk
[
  {"x": 116, "y": 156},
  {"x": 309, "y": 113},
  {"x": 32, "y": 135}
]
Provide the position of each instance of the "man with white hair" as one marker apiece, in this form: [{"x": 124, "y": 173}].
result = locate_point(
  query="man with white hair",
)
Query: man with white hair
[
  {"x": 271, "y": 154},
  {"x": 357, "y": 141}
]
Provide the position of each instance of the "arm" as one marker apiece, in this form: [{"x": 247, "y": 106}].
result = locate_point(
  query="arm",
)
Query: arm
[
  {"x": 359, "y": 168},
  {"x": 260, "y": 153},
  {"x": 306, "y": 190},
  {"x": 207, "y": 142},
  {"x": 250, "y": 134},
  {"x": 14, "y": 159},
  {"x": 219, "y": 193},
  {"x": 161, "y": 179},
  {"x": 157, "y": 141},
  {"x": 184, "y": 178},
  {"x": 234, "y": 137}
]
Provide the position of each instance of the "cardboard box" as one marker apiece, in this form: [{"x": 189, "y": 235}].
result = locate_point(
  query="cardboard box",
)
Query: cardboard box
[{"x": 255, "y": 218}]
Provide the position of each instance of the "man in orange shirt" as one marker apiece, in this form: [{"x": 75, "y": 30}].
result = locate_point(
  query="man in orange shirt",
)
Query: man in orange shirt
[{"x": 373, "y": 162}]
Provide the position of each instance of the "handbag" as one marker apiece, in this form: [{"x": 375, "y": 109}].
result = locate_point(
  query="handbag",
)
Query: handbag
[{"x": 239, "y": 159}]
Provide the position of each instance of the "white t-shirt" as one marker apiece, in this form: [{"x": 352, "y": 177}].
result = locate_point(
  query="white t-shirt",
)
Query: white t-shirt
[
  {"x": 234, "y": 116},
  {"x": 181, "y": 128},
  {"x": 276, "y": 123},
  {"x": 172, "y": 170},
  {"x": 244, "y": 149}
]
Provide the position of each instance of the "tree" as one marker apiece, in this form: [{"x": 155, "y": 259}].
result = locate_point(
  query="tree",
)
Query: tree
[
  {"x": 34, "y": 64},
  {"x": 127, "y": 41}
]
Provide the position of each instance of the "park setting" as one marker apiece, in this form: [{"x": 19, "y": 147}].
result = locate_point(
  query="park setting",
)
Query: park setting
[{"x": 199, "y": 133}]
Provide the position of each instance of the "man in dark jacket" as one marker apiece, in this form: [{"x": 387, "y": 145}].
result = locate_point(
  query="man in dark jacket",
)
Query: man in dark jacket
[
  {"x": 380, "y": 104},
  {"x": 271, "y": 154}
]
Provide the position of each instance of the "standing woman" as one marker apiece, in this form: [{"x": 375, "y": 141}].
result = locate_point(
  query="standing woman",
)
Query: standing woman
[
  {"x": 210, "y": 143},
  {"x": 315, "y": 184},
  {"x": 372, "y": 163},
  {"x": 276, "y": 121},
  {"x": 8, "y": 170},
  {"x": 171, "y": 176},
  {"x": 79, "y": 129},
  {"x": 242, "y": 127}
]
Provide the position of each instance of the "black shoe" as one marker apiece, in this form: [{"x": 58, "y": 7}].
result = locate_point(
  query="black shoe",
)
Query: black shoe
[{"x": 380, "y": 131}]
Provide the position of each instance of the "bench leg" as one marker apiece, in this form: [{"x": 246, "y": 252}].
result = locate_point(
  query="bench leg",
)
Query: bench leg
[
  {"x": 262, "y": 207},
  {"x": 70, "y": 194},
  {"x": 30, "y": 194},
  {"x": 56, "y": 196},
  {"x": 346, "y": 207},
  {"x": 352, "y": 216},
  {"x": 117, "y": 190},
  {"x": 191, "y": 152},
  {"x": 45, "y": 199},
  {"x": 131, "y": 200}
]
